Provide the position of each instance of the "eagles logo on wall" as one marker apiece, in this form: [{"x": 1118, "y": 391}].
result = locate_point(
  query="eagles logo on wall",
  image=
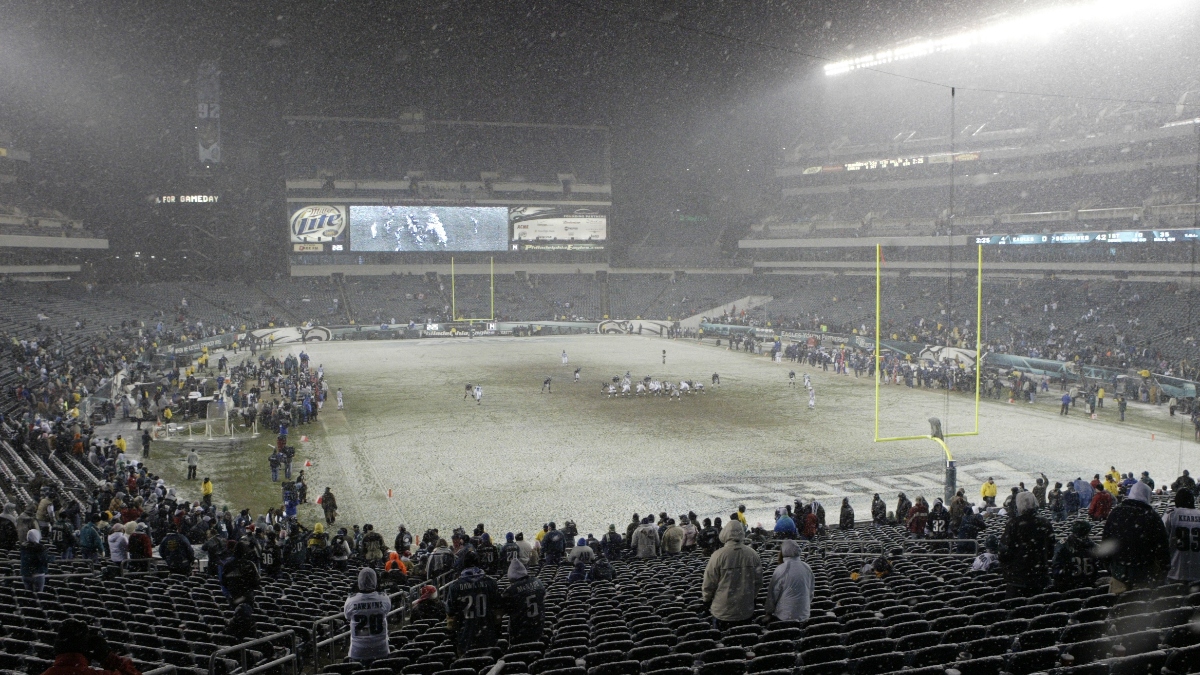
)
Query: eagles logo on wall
[{"x": 319, "y": 224}]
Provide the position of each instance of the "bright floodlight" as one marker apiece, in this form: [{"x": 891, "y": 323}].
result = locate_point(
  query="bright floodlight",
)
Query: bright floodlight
[{"x": 1042, "y": 24}]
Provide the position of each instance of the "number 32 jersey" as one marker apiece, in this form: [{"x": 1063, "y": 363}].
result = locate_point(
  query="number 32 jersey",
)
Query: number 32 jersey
[
  {"x": 1183, "y": 526},
  {"x": 367, "y": 615}
]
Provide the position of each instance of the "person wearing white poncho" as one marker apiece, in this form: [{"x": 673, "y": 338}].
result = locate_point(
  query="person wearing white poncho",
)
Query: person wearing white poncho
[{"x": 790, "y": 593}]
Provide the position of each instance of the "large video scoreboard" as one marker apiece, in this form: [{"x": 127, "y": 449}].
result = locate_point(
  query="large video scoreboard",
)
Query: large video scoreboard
[{"x": 414, "y": 228}]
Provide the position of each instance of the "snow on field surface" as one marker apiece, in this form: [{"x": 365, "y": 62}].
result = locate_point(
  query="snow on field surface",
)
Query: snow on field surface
[{"x": 523, "y": 458}]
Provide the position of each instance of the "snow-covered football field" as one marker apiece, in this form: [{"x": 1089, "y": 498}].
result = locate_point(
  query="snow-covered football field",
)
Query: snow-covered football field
[{"x": 523, "y": 457}]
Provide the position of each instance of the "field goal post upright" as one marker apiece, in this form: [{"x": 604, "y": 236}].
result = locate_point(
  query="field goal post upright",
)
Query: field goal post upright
[
  {"x": 491, "y": 293},
  {"x": 936, "y": 431}
]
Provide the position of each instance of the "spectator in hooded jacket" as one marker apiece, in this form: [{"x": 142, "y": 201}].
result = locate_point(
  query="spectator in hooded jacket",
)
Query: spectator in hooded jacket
[
  {"x": 525, "y": 604},
  {"x": 939, "y": 521},
  {"x": 439, "y": 561},
  {"x": 645, "y": 539},
  {"x": 790, "y": 592},
  {"x": 1085, "y": 491},
  {"x": 366, "y": 611},
  {"x": 785, "y": 527},
  {"x": 917, "y": 517},
  {"x": 1136, "y": 542},
  {"x": 732, "y": 579},
  {"x": 902, "y": 508},
  {"x": 1026, "y": 548},
  {"x": 35, "y": 561},
  {"x": 878, "y": 510},
  {"x": 959, "y": 506},
  {"x": 118, "y": 544},
  {"x": 846, "y": 517}
]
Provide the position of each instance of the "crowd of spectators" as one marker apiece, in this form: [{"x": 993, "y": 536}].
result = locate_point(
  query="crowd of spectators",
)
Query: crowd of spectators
[{"x": 132, "y": 520}]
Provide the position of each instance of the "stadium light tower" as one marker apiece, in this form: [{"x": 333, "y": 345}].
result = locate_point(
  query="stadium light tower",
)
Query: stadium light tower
[{"x": 1042, "y": 24}]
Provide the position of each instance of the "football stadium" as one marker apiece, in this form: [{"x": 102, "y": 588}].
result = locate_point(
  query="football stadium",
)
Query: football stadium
[{"x": 600, "y": 338}]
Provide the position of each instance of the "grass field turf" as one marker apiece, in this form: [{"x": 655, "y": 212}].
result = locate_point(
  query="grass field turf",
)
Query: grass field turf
[{"x": 523, "y": 457}]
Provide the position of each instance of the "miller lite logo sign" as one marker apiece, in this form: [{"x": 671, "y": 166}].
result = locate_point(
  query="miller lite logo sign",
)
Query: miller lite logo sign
[{"x": 319, "y": 224}]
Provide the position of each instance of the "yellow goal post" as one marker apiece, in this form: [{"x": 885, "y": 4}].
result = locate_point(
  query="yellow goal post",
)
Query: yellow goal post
[{"x": 935, "y": 432}]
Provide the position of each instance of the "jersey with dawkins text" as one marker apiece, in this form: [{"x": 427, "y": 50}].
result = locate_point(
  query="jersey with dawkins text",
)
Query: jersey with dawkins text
[
  {"x": 367, "y": 615},
  {"x": 1183, "y": 527}
]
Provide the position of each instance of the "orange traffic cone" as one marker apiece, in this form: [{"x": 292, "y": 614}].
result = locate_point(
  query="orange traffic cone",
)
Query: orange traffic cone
[{"x": 308, "y": 462}]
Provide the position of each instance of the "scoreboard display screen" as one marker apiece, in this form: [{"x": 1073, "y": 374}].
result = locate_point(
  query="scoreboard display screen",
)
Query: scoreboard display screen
[
  {"x": 333, "y": 227},
  {"x": 428, "y": 228}
]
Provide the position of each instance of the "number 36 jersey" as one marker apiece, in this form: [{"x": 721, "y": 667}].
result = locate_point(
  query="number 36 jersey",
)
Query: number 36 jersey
[
  {"x": 367, "y": 615},
  {"x": 1183, "y": 526}
]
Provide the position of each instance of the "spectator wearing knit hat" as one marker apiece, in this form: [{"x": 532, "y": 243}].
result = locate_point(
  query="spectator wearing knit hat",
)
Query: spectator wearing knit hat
[
  {"x": 524, "y": 603},
  {"x": 366, "y": 611}
]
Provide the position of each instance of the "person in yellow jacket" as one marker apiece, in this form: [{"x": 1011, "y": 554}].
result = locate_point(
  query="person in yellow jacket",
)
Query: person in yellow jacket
[
  {"x": 120, "y": 443},
  {"x": 1111, "y": 486},
  {"x": 206, "y": 491},
  {"x": 988, "y": 491},
  {"x": 741, "y": 515},
  {"x": 1113, "y": 475}
]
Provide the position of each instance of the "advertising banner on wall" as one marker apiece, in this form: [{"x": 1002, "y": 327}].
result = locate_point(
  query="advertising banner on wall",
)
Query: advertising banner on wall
[
  {"x": 557, "y": 223},
  {"x": 208, "y": 113},
  {"x": 313, "y": 227}
]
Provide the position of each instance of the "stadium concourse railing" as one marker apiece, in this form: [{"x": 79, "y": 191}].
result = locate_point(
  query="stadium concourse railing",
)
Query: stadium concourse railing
[{"x": 291, "y": 656}]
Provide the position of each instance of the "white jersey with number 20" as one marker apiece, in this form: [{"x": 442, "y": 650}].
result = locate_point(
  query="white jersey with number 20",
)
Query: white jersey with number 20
[{"x": 367, "y": 616}]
